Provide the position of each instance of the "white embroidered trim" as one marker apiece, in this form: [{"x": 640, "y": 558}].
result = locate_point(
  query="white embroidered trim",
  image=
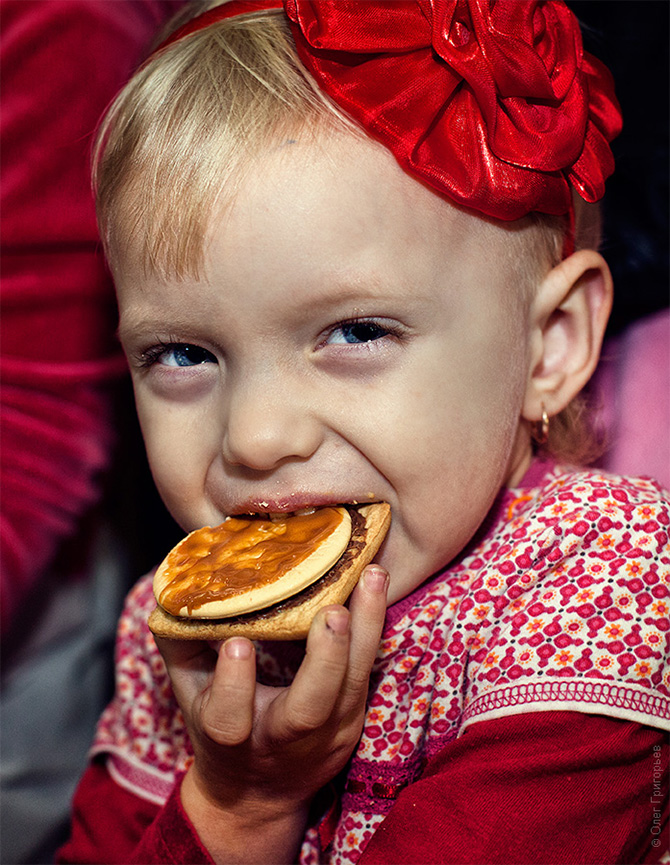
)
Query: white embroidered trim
[
  {"x": 138, "y": 778},
  {"x": 629, "y": 701}
]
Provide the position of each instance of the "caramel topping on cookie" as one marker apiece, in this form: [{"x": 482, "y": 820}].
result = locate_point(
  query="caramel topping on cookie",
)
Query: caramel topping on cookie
[{"x": 248, "y": 563}]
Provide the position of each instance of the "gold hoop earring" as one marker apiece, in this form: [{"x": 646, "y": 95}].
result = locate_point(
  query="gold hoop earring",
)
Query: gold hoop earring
[{"x": 541, "y": 429}]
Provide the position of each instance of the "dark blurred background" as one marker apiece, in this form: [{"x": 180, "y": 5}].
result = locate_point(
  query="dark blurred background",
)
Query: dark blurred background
[{"x": 631, "y": 37}]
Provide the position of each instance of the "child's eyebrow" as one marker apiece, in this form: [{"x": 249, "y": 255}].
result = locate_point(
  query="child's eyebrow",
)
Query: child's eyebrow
[
  {"x": 132, "y": 327},
  {"x": 362, "y": 287},
  {"x": 345, "y": 297},
  {"x": 343, "y": 294}
]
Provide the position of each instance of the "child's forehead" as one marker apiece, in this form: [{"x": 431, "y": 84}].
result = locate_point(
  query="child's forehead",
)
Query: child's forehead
[
  {"x": 338, "y": 216},
  {"x": 342, "y": 180},
  {"x": 344, "y": 200},
  {"x": 338, "y": 171}
]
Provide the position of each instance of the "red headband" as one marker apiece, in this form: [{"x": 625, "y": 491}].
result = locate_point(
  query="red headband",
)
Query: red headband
[{"x": 493, "y": 103}]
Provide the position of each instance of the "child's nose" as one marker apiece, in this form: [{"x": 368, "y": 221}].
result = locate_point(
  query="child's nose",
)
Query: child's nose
[{"x": 266, "y": 426}]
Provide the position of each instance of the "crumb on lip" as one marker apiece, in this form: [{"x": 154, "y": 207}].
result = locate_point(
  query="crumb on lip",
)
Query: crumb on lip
[{"x": 371, "y": 497}]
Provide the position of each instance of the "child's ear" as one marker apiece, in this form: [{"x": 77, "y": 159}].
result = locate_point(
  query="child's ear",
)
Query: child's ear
[{"x": 568, "y": 318}]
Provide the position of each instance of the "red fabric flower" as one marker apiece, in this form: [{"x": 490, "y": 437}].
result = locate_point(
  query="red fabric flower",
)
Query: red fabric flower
[{"x": 493, "y": 103}]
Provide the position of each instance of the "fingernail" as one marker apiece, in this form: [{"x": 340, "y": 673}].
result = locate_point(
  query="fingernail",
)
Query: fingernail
[
  {"x": 375, "y": 578},
  {"x": 237, "y": 649},
  {"x": 337, "y": 621}
]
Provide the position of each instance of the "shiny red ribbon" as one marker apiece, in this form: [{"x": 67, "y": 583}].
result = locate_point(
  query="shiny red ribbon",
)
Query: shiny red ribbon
[
  {"x": 493, "y": 103},
  {"x": 231, "y": 9}
]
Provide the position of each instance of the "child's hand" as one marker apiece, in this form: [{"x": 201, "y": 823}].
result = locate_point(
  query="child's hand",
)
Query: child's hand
[{"x": 262, "y": 753}]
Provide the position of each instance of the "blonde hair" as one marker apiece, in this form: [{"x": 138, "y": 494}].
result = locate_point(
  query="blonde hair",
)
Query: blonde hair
[
  {"x": 181, "y": 135},
  {"x": 186, "y": 128}
]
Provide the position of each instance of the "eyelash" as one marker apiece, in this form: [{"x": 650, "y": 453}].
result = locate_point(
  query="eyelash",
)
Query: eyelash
[
  {"x": 152, "y": 355},
  {"x": 385, "y": 330}
]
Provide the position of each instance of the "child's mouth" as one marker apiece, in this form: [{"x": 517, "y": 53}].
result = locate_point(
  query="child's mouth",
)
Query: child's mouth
[{"x": 279, "y": 509}]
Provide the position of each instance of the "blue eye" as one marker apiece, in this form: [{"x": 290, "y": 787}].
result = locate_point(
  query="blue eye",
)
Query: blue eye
[
  {"x": 180, "y": 354},
  {"x": 357, "y": 332}
]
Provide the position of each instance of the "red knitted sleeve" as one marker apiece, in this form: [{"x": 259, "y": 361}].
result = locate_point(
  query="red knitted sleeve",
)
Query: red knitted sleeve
[
  {"x": 550, "y": 787},
  {"x": 59, "y": 351},
  {"x": 112, "y": 825}
]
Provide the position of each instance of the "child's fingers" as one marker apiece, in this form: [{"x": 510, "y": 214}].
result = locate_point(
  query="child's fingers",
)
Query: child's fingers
[
  {"x": 190, "y": 664},
  {"x": 368, "y": 611},
  {"x": 310, "y": 700},
  {"x": 215, "y": 694},
  {"x": 227, "y": 707}
]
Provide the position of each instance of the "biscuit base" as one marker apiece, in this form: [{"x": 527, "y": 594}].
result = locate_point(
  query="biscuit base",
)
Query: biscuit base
[{"x": 291, "y": 619}]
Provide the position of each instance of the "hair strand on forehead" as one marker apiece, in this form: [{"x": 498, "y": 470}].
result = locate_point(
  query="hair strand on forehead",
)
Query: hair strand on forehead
[{"x": 181, "y": 135}]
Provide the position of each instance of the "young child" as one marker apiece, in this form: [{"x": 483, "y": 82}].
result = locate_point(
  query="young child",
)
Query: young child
[{"x": 355, "y": 260}]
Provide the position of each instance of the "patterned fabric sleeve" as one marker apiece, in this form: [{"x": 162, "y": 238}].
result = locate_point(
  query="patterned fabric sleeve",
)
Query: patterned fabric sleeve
[
  {"x": 142, "y": 731},
  {"x": 573, "y": 611}
]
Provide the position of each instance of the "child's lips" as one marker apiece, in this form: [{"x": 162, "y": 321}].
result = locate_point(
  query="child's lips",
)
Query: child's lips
[{"x": 298, "y": 503}]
